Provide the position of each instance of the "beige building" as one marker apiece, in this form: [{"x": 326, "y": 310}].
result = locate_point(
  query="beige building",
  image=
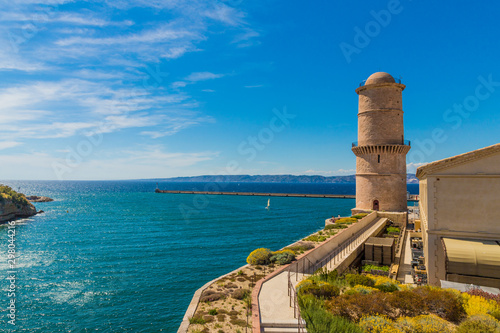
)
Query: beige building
[
  {"x": 381, "y": 148},
  {"x": 460, "y": 215}
]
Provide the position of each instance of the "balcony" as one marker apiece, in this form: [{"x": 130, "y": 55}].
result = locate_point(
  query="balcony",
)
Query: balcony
[{"x": 404, "y": 143}]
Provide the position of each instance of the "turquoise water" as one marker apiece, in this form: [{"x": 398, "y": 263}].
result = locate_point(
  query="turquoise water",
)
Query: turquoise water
[{"x": 117, "y": 257}]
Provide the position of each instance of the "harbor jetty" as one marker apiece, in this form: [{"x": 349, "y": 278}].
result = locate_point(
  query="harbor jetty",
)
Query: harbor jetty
[{"x": 299, "y": 195}]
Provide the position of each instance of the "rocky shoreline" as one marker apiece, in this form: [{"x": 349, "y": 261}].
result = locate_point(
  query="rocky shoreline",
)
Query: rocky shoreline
[
  {"x": 36, "y": 198},
  {"x": 14, "y": 205}
]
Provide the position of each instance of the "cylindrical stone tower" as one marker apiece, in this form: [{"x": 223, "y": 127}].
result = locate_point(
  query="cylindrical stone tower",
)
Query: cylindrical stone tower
[{"x": 381, "y": 148}]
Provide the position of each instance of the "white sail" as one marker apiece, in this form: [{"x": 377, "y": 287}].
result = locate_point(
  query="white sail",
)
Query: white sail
[{"x": 268, "y": 203}]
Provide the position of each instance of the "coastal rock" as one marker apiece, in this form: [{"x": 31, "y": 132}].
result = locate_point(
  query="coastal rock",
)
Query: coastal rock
[
  {"x": 10, "y": 211},
  {"x": 14, "y": 205},
  {"x": 37, "y": 198}
]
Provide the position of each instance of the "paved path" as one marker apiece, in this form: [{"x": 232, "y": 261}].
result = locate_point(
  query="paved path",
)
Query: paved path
[
  {"x": 274, "y": 302},
  {"x": 404, "y": 273}
]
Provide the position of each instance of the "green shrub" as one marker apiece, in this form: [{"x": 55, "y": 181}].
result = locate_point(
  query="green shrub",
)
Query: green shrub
[
  {"x": 259, "y": 257},
  {"x": 356, "y": 279},
  {"x": 239, "y": 322},
  {"x": 8, "y": 194},
  {"x": 320, "y": 321},
  {"x": 377, "y": 324},
  {"x": 300, "y": 248},
  {"x": 283, "y": 257},
  {"x": 393, "y": 230},
  {"x": 197, "y": 319},
  {"x": 431, "y": 324},
  {"x": 360, "y": 290},
  {"x": 240, "y": 293},
  {"x": 322, "y": 290},
  {"x": 387, "y": 287},
  {"x": 210, "y": 296},
  {"x": 212, "y": 312},
  {"x": 359, "y": 216},
  {"x": 480, "y": 323},
  {"x": 315, "y": 238},
  {"x": 442, "y": 302},
  {"x": 356, "y": 306},
  {"x": 346, "y": 220},
  {"x": 335, "y": 226},
  {"x": 407, "y": 303},
  {"x": 322, "y": 274},
  {"x": 369, "y": 268}
]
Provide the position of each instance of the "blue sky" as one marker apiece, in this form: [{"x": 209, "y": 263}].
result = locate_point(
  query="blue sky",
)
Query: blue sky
[{"x": 146, "y": 89}]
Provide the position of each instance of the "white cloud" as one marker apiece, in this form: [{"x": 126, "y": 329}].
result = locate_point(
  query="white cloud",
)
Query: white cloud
[
  {"x": 226, "y": 14},
  {"x": 179, "y": 84},
  {"x": 9, "y": 144},
  {"x": 52, "y": 17},
  {"x": 70, "y": 107},
  {"x": 412, "y": 167},
  {"x": 202, "y": 76},
  {"x": 196, "y": 77},
  {"x": 161, "y": 34},
  {"x": 174, "y": 124},
  {"x": 255, "y": 86}
]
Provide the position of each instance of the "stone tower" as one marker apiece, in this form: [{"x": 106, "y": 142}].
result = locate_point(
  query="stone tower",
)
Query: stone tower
[{"x": 381, "y": 148}]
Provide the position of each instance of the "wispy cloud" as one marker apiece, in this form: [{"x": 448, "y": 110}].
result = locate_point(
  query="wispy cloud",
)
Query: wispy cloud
[
  {"x": 255, "y": 86},
  {"x": 70, "y": 70},
  {"x": 202, "y": 76},
  {"x": 9, "y": 144},
  {"x": 412, "y": 167},
  {"x": 70, "y": 107},
  {"x": 247, "y": 38},
  {"x": 225, "y": 14},
  {"x": 75, "y": 19},
  {"x": 196, "y": 77}
]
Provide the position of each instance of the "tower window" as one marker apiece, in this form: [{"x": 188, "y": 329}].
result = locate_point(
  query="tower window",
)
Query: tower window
[{"x": 379, "y": 158}]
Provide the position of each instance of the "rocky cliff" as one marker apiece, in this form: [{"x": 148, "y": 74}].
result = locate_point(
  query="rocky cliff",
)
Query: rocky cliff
[{"x": 14, "y": 205}]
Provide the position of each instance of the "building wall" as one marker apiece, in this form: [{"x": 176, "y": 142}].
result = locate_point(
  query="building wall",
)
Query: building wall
[
  {"x": 459, "y": 202},
  {"x": 380, "y": 115},
  {"x": 389, "y": 190}
]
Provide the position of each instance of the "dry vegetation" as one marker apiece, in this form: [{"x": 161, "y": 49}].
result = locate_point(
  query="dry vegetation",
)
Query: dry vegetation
[{"x": 225, "y": 304}]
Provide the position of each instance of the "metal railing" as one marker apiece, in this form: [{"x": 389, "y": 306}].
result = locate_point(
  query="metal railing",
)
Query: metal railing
[
  {"x": 334, "y": 259},
  {"x": 403, "y": 143}
]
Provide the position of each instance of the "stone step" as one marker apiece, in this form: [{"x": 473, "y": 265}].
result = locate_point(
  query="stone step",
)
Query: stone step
[
  {"x": 282, "y": 330},
  {"x": 292, "y": 323}
]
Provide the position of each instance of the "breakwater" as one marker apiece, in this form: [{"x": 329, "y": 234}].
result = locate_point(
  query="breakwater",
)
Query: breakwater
[
  {"x": 337, "y": 196},
  {"x": 299, "y": 195}
]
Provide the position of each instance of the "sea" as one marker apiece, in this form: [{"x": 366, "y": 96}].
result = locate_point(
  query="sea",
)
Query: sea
[{"x": 114, "y": 256}]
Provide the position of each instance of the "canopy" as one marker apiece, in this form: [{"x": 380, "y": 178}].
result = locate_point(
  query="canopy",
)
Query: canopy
[{"x": 472, "y": 257}]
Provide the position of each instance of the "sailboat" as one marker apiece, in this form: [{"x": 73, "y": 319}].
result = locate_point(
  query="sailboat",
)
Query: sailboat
[{"x": 268, "y": 203}]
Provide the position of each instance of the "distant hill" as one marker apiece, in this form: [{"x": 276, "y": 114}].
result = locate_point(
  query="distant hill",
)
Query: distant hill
[{"x": 411, "y": 179}]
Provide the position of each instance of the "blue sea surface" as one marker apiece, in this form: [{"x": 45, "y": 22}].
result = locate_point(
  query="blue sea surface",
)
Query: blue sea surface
[{"x": 113, "y": 256}]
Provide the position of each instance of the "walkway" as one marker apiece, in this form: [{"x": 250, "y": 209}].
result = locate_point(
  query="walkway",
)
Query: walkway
[
  {"x": 404, "y": 273},
  {"x": 276, "y": 311}
]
